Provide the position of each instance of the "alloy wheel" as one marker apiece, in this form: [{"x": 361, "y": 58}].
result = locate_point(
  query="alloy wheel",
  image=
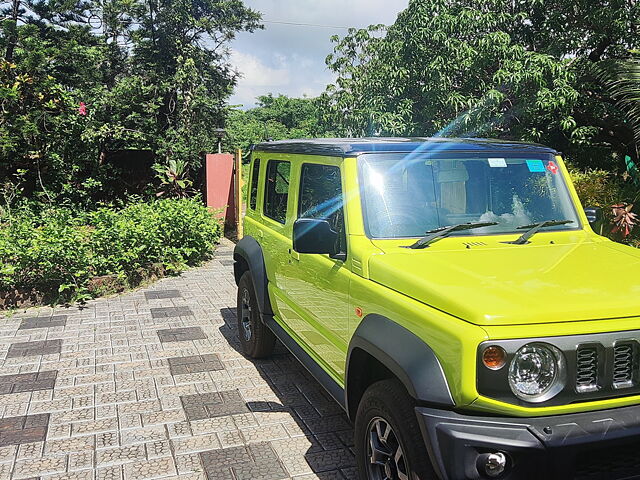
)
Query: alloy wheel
[
  {"x": 386, "y": 457},
  {"x": 246, "y": 315}
]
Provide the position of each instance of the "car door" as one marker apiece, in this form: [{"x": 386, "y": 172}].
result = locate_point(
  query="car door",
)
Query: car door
[
  {"x": 275, "y": 232},
  {"x": 318, "y": 285}
]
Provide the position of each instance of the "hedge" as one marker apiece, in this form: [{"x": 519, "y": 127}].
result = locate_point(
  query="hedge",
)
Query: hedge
[{"x": 60, "y": 253}]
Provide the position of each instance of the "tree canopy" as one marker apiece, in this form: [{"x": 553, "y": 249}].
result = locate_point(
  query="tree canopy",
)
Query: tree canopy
[
  {"x": 523, "y": 69},
  {"x": 275, "y": 118},
  {"x": 82, "y": 78}
]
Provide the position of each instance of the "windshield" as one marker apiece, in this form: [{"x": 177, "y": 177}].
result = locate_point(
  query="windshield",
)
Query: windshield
[{"x": 406, "y": 195}]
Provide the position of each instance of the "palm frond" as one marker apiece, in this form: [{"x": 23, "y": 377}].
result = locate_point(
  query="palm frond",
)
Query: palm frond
[{"x": 622, "y": 79}]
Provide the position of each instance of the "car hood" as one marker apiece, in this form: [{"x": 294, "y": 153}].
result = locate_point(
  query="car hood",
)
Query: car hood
[{"x": 516, "y": 284}]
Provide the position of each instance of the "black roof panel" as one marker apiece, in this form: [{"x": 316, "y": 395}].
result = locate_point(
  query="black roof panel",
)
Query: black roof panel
[{"x": 352, "y": 146}]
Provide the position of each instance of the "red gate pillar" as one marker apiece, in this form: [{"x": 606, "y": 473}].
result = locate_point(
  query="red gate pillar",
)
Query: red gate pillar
[{"x": 219, "y": 191}]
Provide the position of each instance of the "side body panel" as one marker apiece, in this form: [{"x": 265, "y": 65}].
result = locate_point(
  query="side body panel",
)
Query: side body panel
[
  {"x": 308, "y": 293},
  {"x": 316, "y": 289}
]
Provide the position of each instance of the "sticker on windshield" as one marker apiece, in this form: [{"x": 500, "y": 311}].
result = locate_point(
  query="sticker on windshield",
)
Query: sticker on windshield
[
  {"x": 535, "y": 165},
  {"x": 552, "y": 167},
  {"x": 497, "y": 162}
]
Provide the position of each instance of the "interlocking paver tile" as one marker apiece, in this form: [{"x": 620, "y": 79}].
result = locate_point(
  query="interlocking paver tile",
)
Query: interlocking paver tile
[
  {"x": 215, "y": 404},
  {"x": 43, "y": 322},
  {"x": 31, "y": 349},
  {"x": 44, "y": 465},
  {"x": 143, "y": 435},
  {"x": 169, "y": 312},
  {"x": 168, "y": 395},
  {"x": 109, "y": 473},
  {"x": 23, "y": 429},
  {"x": 194, "y": 364},
  {"x": 75, "y": 444},
  {"x": 161, "y": 294},
  {"x": 27, "y": 382},
  {"x": 329, "y": 460},
  {"x": 118, "y": 455},
  {"x": 253, "y": 462},
  {"x": 149, "y": 469},
  {"x": 183, "y": 334}
]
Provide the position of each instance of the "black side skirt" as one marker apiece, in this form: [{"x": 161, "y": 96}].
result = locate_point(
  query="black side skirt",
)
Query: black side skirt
[{"x": 329, "y": 384}]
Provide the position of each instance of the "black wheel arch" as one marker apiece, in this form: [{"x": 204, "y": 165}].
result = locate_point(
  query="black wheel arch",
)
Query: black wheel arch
[
  {"x": 381, "y": 348},
  {"x": 248, "y": 256}
]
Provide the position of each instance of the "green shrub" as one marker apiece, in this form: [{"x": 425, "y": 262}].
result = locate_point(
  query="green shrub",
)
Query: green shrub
[
  {"x": 599, "y": 188},
  {"x": 57, "y": 251}
]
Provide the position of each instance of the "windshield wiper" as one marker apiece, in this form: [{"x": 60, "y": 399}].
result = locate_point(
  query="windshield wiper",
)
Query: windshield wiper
[
  {"x": 444, "y": 231},
  {"x": 533, "y": 228}
]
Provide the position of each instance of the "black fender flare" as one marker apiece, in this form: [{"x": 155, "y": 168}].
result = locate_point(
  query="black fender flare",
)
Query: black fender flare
[
  {"x": 405, "y": 355},
  {"x": 248, "y": 254}
]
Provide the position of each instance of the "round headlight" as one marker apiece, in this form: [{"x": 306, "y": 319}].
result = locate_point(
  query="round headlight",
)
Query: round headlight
[{"x": 537, "y": 372}]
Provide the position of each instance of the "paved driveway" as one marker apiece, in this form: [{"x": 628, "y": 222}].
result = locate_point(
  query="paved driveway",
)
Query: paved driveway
[{"x": 150, "y": 384}]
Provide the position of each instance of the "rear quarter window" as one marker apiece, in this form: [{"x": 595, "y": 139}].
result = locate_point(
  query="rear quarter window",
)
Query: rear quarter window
[
  {"x": 253, "y": 192},
  {"x": 276, "y": 194}
]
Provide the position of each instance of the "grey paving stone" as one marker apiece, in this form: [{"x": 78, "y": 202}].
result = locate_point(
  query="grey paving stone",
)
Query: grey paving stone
[
  {"x": 31, "y": 349},
  {"x": 257, "y": 461},
  {"x": 329, "y": 460},
  {"x": 169, "y": 312},
  {"x": 161, "y": 294},
  {"x": 181, "y": 334},
  {"x": 214, "y": 404},
  {"x": 27, "y": 382},
  {"x": 43, "y": 322},
  {"x": 328, "y": 423},
  {"x": 23, "y": 429},
  {"x": 194, "y": 364}
]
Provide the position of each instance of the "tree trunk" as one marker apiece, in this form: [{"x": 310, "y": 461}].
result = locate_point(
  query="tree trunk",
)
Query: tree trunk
[{"x": 12, "y": 40}]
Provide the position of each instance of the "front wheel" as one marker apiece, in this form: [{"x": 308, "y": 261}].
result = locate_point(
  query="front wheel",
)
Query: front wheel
[
  {"x": 255, "y": 337},
  {"x": 388, "y": 442}
]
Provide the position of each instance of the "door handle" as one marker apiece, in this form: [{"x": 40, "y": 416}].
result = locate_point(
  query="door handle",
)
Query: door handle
[{"x": 294, "y": 254}]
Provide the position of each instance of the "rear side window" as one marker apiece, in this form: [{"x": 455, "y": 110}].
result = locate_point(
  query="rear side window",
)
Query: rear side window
[
  {"x": 277, "y": 190},
  {"x": 321, "y": 197},
  {"x": 253, "y": 195}
]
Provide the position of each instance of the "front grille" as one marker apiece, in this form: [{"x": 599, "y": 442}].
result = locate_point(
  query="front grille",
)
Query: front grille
[
  {"x": 623, "y": 362},
  {"x": 609, "y": 463},
  {"x": 607, "y": 368},
  {"x": 587, "y": 369}
]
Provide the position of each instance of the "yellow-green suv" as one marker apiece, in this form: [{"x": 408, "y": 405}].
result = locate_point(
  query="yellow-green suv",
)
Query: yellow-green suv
[{"x": 452, "y": 296}]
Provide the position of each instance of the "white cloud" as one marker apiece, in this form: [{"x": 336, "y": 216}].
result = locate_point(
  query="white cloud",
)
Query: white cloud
[
  {"x": 290, "y": 59},
  {"x": 257, "y": 78},
  {"x": 256, "y": 73}
]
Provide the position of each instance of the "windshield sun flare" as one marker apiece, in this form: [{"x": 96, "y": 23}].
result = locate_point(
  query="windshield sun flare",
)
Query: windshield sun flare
[{"x": 406, "y": 196}]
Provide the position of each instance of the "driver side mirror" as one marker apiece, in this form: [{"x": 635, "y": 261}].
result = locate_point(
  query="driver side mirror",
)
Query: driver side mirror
[
  {"x": 595, "y": 217},
  {"x": 314, "y": 235}
]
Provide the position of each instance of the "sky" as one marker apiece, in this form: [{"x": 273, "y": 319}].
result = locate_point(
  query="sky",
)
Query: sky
[{"x": 290, "y": 59}]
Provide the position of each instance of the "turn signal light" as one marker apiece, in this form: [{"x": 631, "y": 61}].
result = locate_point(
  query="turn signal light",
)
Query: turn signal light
[{"x": 494, "y": 357}]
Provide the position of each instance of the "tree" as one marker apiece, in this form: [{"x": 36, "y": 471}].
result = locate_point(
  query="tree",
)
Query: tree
[
  {"x": 622, "y": 79},
  {"x": 83, "y": 78},
  {"x": 276, "y": 118},
  {"x": 520, "y": 69},
  {"x": 181, "y": 48}
]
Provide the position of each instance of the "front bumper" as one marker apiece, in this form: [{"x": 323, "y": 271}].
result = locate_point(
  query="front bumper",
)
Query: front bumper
[{"x": 598, "y": 445}]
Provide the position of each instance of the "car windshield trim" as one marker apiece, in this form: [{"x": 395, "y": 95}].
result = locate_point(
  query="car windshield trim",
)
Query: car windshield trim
[{"x": 467, "y": 155}]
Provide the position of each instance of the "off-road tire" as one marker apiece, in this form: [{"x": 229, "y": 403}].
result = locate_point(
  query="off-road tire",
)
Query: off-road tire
[
  {"x": 258, "y": 341},
  {"x": 389, "y": 401}
]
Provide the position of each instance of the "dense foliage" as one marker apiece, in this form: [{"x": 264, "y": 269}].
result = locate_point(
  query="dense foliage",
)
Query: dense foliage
[
  {"x": 275, "y": 118},
  {"x": 84, "y": 78},
  {"x": 58, "y": 252},
  {"x": 524, "y": 69}
]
